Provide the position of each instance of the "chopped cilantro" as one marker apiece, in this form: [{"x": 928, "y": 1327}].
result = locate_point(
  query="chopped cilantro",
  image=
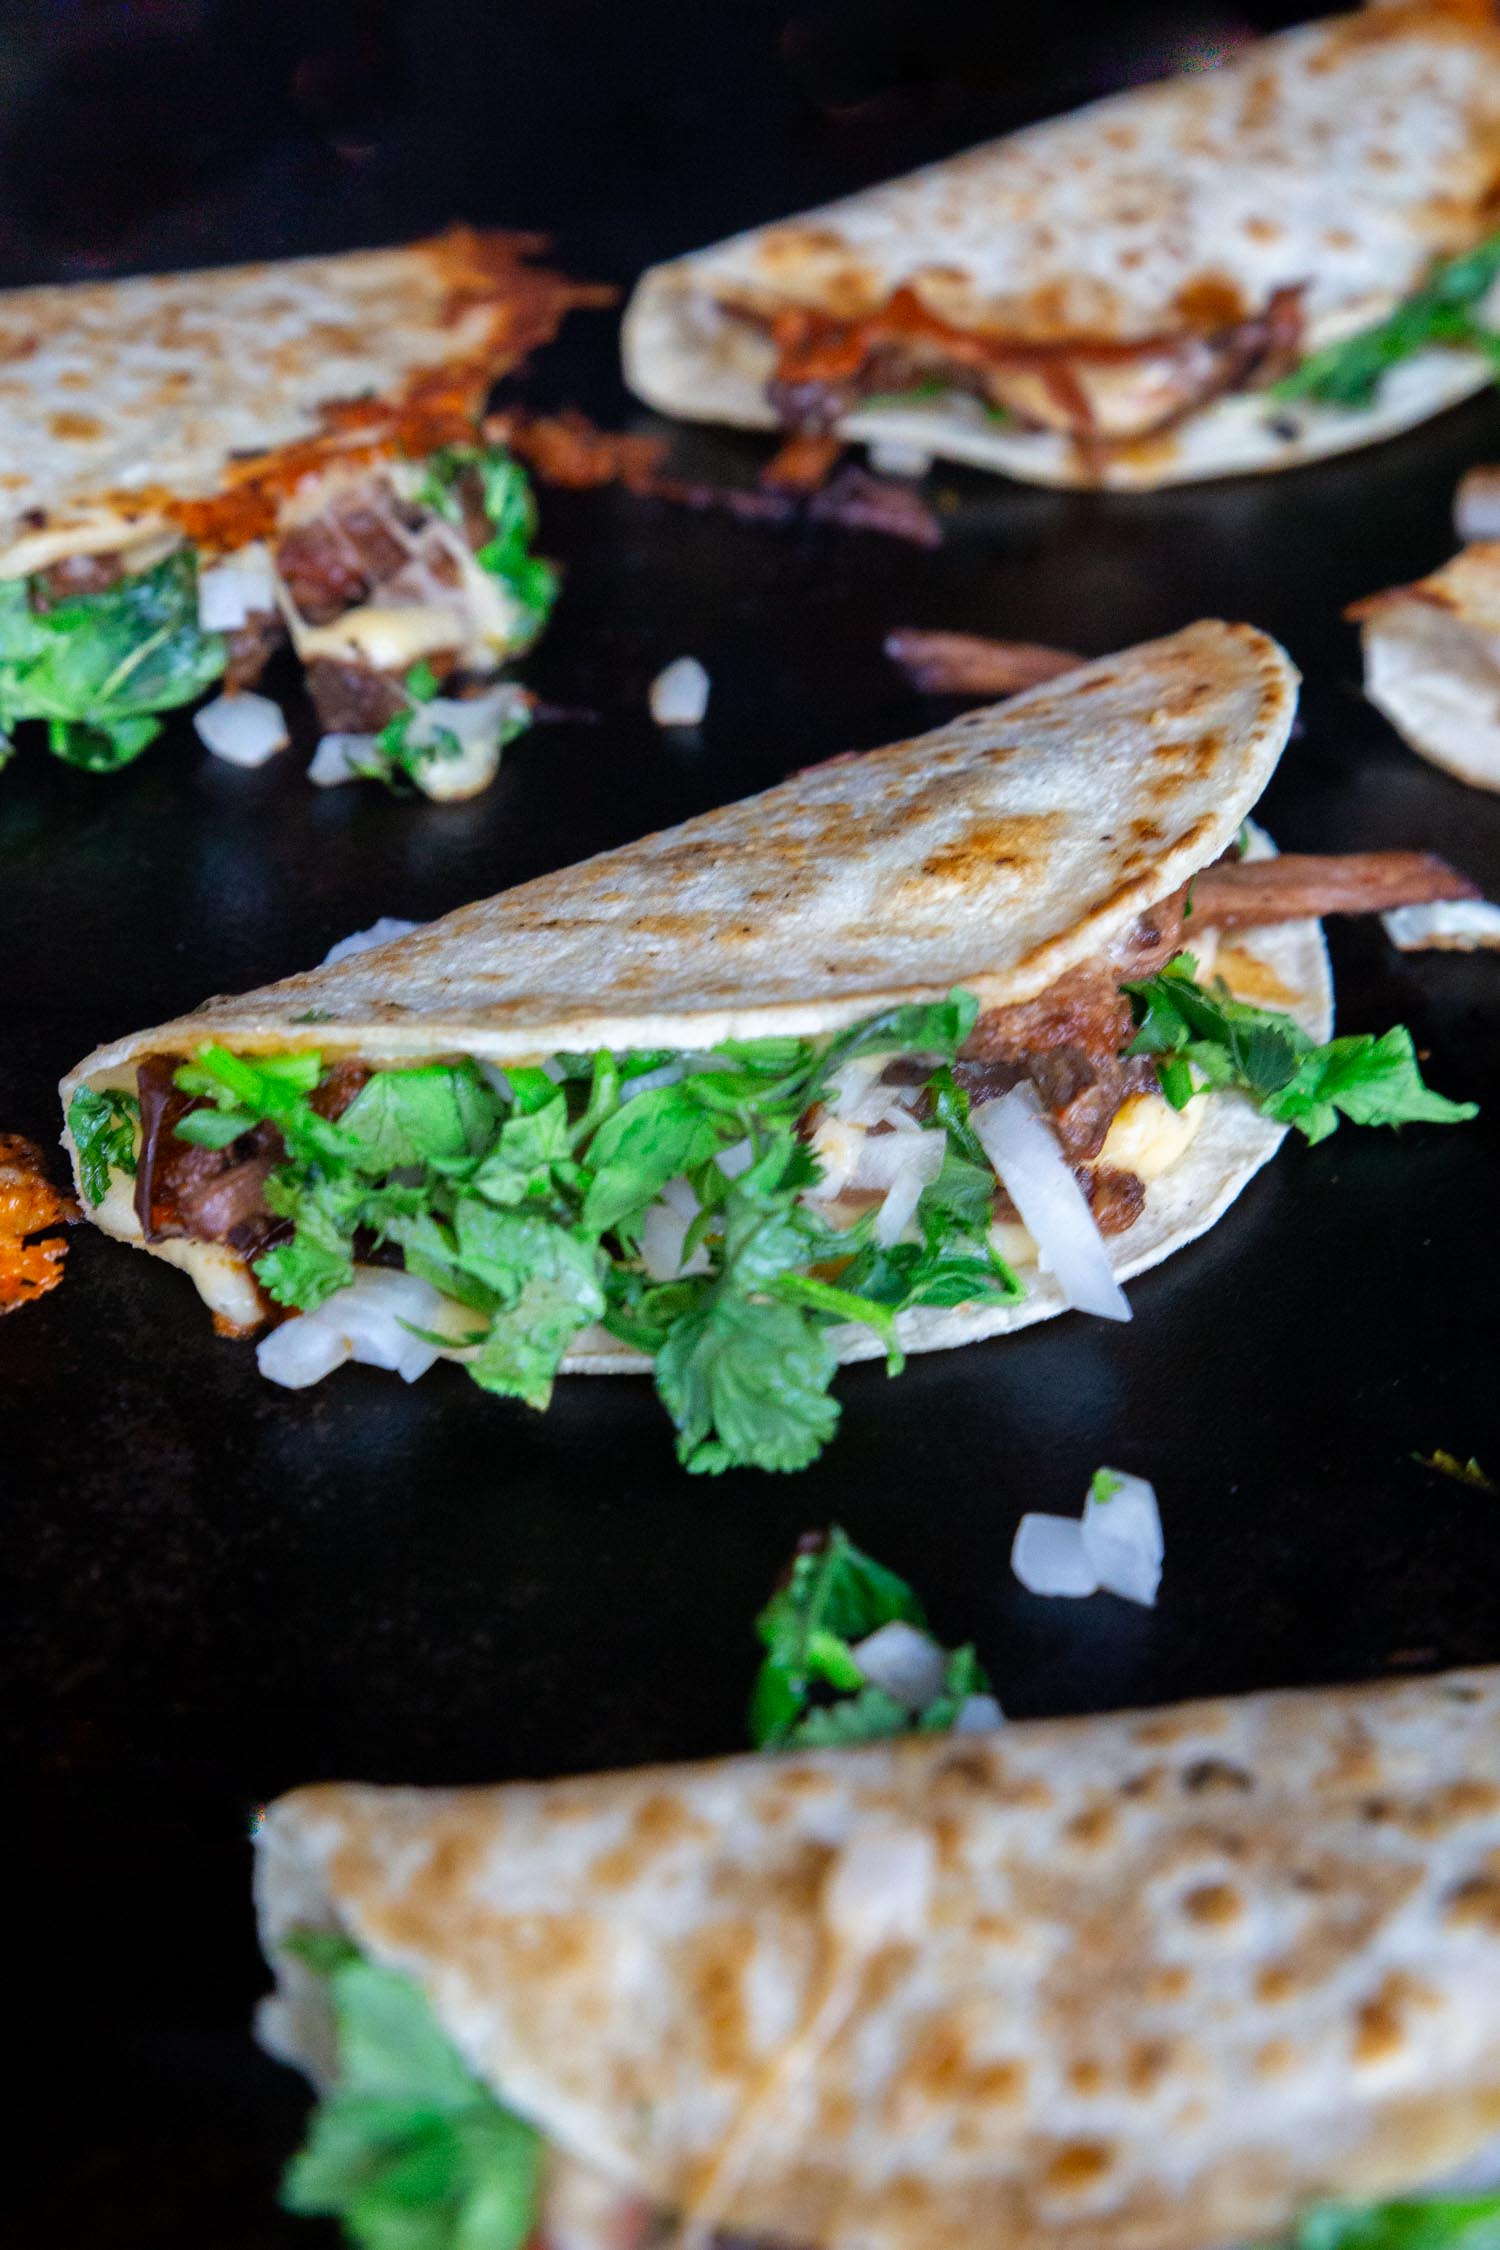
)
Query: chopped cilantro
[
  {"x": 810, "y": 1690},
  {"x": 104, "y": 1128},
  {"x": 1425, "y": 2223},
  {"x": 523, "y": 1196},
  {"x": 510, "y": 507},
  {"x": 407, "y": 2148},
  {"x": 1349, "y": 374},
  {"x": 1204, "y": 1038},
  {"x": 1103, "y": 1485},
  {"x": 99, "y": 668}
]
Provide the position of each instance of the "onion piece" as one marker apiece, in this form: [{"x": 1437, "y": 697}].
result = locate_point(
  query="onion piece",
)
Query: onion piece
[
  {"x": 364, "y": 941},
  {"x": 339, "y": 757},
  {"x": 1122, "y": 1537},
  {"x": 905, "y": 1662},
  {"x": 238, "y": 587},
  {"x": 917, "y": 1170},
  {"x": 242, "y": 729},
  {"x": 1458, "y": 925},
  {"x": 362, "y": 1322},
  {"x": 894, "y": 457},
  {"x": 977, "y": 1714},
  {"x": 679, "y": 694},
  {"x": 1476, "y": 505},
  {"x": 664, "y": 1230},
  {"x": 1049, "y": 1557},
  {"x": 648, "y": 1081},
  {"x": 1037, "y": 1177},
  {"x": 480, "y": 725},
  {"x": 737, "y": 1158}
]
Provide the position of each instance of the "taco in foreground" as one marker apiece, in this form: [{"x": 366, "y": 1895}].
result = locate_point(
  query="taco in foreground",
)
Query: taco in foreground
[
  {"x": 1158, "y": 1979},
  {"x": 197, "y": 468},
  {"x": 914, "y": 1048},
  {"x": 1432, "y": 663},
  {"x": 1241, "y": 269}
]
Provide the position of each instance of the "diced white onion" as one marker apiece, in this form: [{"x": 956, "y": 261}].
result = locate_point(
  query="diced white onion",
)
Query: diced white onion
[
  {"x": 362, "y": 1322},
  {"x": 1122, "y": 1537},
  {"x": 856, "y": 1087},
  {"x": 917, "y": 1170},
  {"x": 682, "y": 1196},
  {"x": 364, "y": 941},
  {"x": 1449, "y": 925},
  {"x": 737, "y": 1158},
  {"x": 242, "y": 729},
  {"x": 648, "y": 1080},
  {"x": 237, "y": 588},
  {"x": 977, "y": 1714},
  {"x": 339, "y": 757},
  {"x": 1037, "y": 1177},
  {"x": 836, "y": 1147},
  {"x": 878, "y": 1891},
  {"x": 907, "y": 1663},
  {"x": 1049, "y": 1557},
  {"x": 883, "y": 1156},
  {"x": 894, "y": 457},
  {"x": 1476, "y": 505},
  {"x": 679, "y": 694}
]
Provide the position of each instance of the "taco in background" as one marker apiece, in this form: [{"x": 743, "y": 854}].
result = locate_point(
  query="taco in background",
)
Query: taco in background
[
  {"x": 197, "y": 467},
  {"x": 1432, "y": 663},
  {"x": 1241, "y": 269},
  {"x": 909, "y": 1050}
]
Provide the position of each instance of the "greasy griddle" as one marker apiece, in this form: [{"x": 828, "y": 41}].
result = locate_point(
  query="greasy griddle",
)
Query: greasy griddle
[{"x": 215, "y": 1590}]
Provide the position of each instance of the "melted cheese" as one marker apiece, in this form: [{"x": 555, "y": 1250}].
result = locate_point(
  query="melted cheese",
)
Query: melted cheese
[
  {"x": 1148, "y": 1135},
  {"x": 391, "y": 640}
]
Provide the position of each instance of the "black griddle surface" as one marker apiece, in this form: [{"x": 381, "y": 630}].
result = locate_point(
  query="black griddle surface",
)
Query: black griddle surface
[{"x": 214, "y": 1590}]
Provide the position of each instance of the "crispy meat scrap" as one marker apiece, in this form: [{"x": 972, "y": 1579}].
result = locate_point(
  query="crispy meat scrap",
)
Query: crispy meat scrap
[
  {"x": 1237, "y": 894},
  {"x": 31, "y": 1258},
  {"x": 970, "y": 664},
  {"x": 568, "y": 449}
]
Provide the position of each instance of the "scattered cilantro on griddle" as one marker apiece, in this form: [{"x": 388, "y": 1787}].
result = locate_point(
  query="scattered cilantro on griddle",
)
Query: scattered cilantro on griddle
[
  {"x": 103, "y": 1126},
  {"x": 810, "y": 1690},
  {"x": 1468, "y": 1472},
  {"x": 98, "y": 668},
  {"x": 406, "y": 2147},
  {"x": 1349, "y": 374},
  {"x": 1203, "y": 1038}
]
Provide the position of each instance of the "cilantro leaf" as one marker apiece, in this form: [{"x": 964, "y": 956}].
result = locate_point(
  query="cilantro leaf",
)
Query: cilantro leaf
[
  {"x": 652, "y": 1139},
  {"x": 442, "y": 1113},
  {"x": 1427, "y": 2223},
  {"x": 103, "y": 1126},
  {"x": 747, "y": 1385},
  {"x": 938, "y": 1027},
  {"x": 549, "y": 1282},
  {"x": 99, "y": 667},
  {"x": 1349, "y": 374},
  {"x": 1205, "y": 1038},
  {"x": 407, "y": 2148}
]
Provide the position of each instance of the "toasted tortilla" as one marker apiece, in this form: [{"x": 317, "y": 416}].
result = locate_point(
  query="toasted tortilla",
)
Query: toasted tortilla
[
  {"x": 190, "y": 402},
  {"x": 1172, "y": 1975},
  {"x": 1343, "y": 157},
  {"x": 1432, "y": 663},
  {"x": 995, "y": 853}
]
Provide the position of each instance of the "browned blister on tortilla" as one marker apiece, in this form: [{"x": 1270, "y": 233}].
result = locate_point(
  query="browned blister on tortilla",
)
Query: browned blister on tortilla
[{"x": 1165, "y": 1977}]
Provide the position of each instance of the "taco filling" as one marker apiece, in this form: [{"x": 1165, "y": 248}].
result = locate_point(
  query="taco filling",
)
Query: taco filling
[{"x": 720, "y": 1213}]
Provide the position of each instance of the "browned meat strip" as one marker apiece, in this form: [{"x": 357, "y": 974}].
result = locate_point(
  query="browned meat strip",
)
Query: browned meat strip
[
  {"x": 803, "y": 463},
  {"x": 856, "y": 501},
  {"x": 968, "y": 664},
  {"x": 352, "y": 698},
  {"x": 65, "y": 581},
  {"x": 251, "y": 647},
  {"x": 1238, "y": 893}
]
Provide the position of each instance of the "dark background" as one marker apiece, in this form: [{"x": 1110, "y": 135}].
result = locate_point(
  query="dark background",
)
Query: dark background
[{"x": 214, "y": 1590}]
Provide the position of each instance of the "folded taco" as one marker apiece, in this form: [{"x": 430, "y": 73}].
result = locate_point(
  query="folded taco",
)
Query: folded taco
[
  {"x": 1432, "y": 663},
  {"x": 198, "y": 467},
  {"x": 1239, "y": 269},
  {"x": 1154, "y": 1981},
  {"x": 916, "y": 1047}
]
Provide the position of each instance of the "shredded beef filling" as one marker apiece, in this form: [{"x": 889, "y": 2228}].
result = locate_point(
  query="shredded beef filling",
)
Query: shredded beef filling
[
  {"x": 75, "y": 575},
  {"x": 1091, "y": 390}
]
